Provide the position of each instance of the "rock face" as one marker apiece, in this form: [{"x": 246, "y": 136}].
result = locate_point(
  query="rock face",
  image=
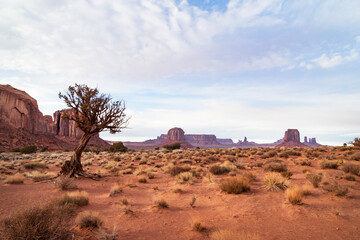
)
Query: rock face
[
  {"x": 312, "y": 143},
  {"x": 225, "y": 141},
  {"x": 21, "y": 124},
  {"x": 19, "y": 110},
  {"x": 176, "y": 135},
  {"x": 201, "y": 139},
  {"x": 291, "y": 139}
]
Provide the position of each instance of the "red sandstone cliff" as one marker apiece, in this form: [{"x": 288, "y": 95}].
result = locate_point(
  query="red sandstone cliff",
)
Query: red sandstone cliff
[
  {"x": 291, "y": 139},
  {"x": 21, "y": 124}
]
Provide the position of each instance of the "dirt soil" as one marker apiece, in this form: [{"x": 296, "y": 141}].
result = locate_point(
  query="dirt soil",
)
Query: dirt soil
[{"x": 264, "y": 214}]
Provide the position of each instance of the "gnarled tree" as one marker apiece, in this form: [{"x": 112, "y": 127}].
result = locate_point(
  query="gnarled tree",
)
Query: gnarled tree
[{"x": 92, "y": 112}]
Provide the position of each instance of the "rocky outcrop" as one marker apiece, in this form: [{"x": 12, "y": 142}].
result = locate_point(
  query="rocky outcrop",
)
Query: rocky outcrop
[
  {"x": 225, "y": 141},
  {"x": 291, "y": 139},
  {"x": 176, "y": 135},
  {"x": 20, "y": 111},
  {"x": 201, "y": 139},
  {"x": 312, "y": 143},
  {"x": 21, "y": 124}
]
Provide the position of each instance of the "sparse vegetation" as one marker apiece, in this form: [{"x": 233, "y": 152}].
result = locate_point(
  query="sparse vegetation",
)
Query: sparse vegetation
[
  {"x": 65, "y": 183},
  {"x": 314, "y": 179},
  {"x": 351, "y": 168},
  {"x": 115, "y": 190},
  {"x": 28, "y": 149},
  {"x": 184, "y": 177},
  {"x": 79, "y": 198},
  {"x": 89, "y": 219},
  {"x": 294, "y": 195},
  {"x": 328, "y": 164},
  {"x": 274, "y": 182},
  {"x": 118, "y": 147},
  {"x": 275, "y": 166},
  {"x": 232, "y": 235},
  {"x": 36, "y": 222},
  {"x": 235, "y": 185},
  {"x": 172, "y": 146},
  {"x": 161, "y": 203},
  {"x": 15, "y": 179}
]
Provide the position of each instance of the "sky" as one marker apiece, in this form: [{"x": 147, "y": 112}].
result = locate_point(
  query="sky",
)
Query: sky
[{"x": 232, "y": 68}]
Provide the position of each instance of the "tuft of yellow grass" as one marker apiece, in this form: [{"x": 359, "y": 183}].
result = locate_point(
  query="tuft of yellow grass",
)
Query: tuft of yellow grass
[
  {"x": 197, "y": 225},
  {"x": 115, "y": 190},
  {"x": 15, "y": 179},
  {"x": 79, "y": 198},
  {"x": 294, "y": 195},
  {"x": 235, "y": 185},
  {"x": 306, "y": 189},
  {"x": 88, "y": 219},
  {"x": 274, "y": 181}
]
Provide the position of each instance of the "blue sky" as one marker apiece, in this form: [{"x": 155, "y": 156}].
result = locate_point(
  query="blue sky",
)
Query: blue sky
[{"x": 232, "y": 68}]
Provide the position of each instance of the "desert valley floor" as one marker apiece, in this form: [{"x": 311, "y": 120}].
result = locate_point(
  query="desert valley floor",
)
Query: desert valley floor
[{"x": 133, "y": 189}]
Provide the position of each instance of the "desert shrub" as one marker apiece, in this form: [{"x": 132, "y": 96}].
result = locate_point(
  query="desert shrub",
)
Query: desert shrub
[
  {"x": 197, "y": 226},
  {"x": 304, "y": 162},
  {"x": 351, "y": 168},
  {"x": 294, "y": 195},
  {"x": 293, "y": 153},
  {"x": 286, "y": 174},
  {"x": 184, "y": 177},
  {"x": 275, "y": 166},
  {"x": 274, "y": 182},
  {"x": 74, "y": 198},
  {"x": 269, "y": 154},
  {"x": 232, "y": 235},
  {"x": 65, "y": 183},
  {"x": 44, "y": 149},
  {"x": 328, "y": 164},
  {"x": 235, "y": 185},
  {"x": 28, "y": 149},
  {"x": 336, "y": 188},
  {"x": 118, "y": 147},
  {"x": 350, "y": 177},
  {"x": 15, "y": 150},
  {"x": 175, "y": 170},
  {"x": 306, "y": 189},
  {"x": 218, "y": 169},
  {"x": 172, "y": 146},
  {"x": 116, "y": 189},
  {"x": 355, "y": 156},
  {"x": 37, "y": 222},
  {"x": 88, "y": 219},
  {"x": 249, "y": 175},
  {"x": 283, "y": 155},
  {"x": 161, "y": 203},
  {"x": 34, "y": 165},
  {"x": 38, "y": 176},
  {"x": 314, "y": 179},
  {"x": 356, "y": 142},
  {"x": 124, "y": 201},
  {"x": 15, "y": 179},
  {"x": 142, "y": 179},
  {"x": 150, "y": 175}
]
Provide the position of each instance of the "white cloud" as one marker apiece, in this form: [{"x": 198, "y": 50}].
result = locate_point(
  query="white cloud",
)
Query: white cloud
[
  {"x": 122, "y": 39},
  {"x": 328, "y": 62}
]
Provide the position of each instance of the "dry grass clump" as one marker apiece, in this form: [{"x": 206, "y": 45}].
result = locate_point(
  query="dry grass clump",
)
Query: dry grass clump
[
  {"x": 294, "y": 195},
  {"x": 286, "y": 174},
  {"x": 34, "y": 165},
  {"x": 65, "y": 183},
  {"x": 218, "y": 169},
  {"x": 198, "y": 226},
  {"x": 337, "y": 189},
  {"x": 232, "y": 235},
  {"x": 36, "y": 222},
  {"x": 89, "y": 219},
  {"x": 235, "y": 185},
  {"x": 15, "y": 179},
  {"x": 38, "y": 176},
  {"x": 274, "y": 182},
  {"x": 175, "y": 170},
  {"x": 74, "y": 198},
  {"x": 314, "y": 178},
  {"x": 351, "y": 168},
  {"x": 115, "y": 190},
  {"x": 306, "y": 189},
  {"x": 184, "y": 177},
  {"x": 328, "y": 164},
  {"x": 275, "y": 166},
  {"x": 355, "y": 156},
  {"x": 142, "y": 179},
  {"x": 161, "y": 203}
]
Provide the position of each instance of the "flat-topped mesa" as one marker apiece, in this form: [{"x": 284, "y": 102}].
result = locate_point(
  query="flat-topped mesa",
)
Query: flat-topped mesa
[
  {"x": 292, "y": 135},
  {"x": 291, "y": 139},
  {"x": 201, "y": 139}
]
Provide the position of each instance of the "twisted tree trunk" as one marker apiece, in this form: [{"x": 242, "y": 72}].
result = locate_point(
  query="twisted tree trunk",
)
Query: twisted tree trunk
[{"x": 73, "y": 166}]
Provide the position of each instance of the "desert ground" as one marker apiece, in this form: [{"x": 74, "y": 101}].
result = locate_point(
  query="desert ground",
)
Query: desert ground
[{"x": 255, "y": 193}]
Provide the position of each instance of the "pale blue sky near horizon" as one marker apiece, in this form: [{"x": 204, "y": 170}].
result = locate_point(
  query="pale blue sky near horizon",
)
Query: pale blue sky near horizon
[{"x": 232, "y": 68}]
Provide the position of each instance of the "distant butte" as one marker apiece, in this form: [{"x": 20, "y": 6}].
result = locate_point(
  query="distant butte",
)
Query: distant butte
[{"x": 291, "y": 139}]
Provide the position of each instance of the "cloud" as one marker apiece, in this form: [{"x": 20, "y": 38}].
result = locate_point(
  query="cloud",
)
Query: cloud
[{"x": 328, "y": 62}]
